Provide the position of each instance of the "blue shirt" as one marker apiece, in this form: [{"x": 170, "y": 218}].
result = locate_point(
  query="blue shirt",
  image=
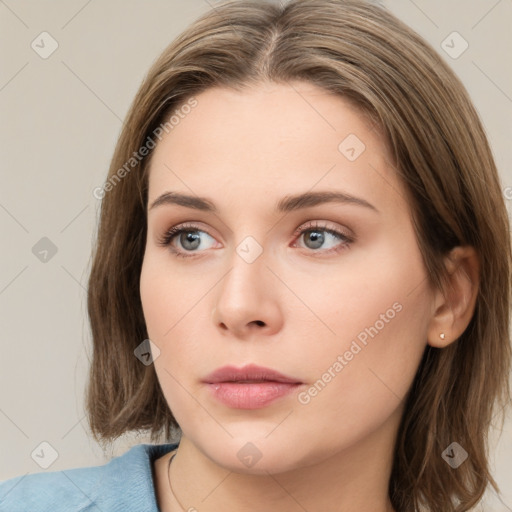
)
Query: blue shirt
[{"x": 124, "y": 484}]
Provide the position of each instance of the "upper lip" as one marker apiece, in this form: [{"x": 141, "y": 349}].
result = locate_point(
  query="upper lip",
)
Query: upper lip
[{"x": 251, "y": 372}]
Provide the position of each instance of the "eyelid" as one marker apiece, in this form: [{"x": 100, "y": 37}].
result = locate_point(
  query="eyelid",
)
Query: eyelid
[{"x": 324, "y": 226}]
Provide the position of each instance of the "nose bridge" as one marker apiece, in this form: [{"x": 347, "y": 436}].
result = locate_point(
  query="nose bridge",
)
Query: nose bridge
[
  {"x": 246, "y": 296},
  {"x": 243, "y": 282}
]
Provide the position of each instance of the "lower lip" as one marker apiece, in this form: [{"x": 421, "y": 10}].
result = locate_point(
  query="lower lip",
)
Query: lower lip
[{"x": 254, "y": 395}]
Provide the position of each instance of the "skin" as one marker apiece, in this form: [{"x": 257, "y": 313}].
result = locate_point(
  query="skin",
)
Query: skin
[{"x": 295, "y": 308}]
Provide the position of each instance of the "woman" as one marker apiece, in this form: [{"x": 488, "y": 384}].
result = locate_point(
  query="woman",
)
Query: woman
[{"x": 303, "y": 264}]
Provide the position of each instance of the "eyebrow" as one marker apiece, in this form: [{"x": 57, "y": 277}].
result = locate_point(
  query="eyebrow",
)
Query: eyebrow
[{"x": 284, "y": 205}]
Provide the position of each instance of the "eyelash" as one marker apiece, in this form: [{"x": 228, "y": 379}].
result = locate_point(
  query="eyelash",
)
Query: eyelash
[{"x": 166, "y": 239}]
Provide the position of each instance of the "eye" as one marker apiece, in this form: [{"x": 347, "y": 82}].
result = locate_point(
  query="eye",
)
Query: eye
[
  {"x": 320, "y": 236},
  {"x": 188, "y": 238}
]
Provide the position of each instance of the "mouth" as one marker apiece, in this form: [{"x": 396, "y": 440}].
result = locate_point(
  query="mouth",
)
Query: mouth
[{"x": 249, "y": 387}]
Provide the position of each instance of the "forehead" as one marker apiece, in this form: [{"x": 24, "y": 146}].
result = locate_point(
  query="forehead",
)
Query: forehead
[{"x": 272, "y": 140}]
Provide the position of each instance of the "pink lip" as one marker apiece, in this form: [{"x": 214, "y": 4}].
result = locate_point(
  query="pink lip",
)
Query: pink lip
[{"x": 249, "y": 387}]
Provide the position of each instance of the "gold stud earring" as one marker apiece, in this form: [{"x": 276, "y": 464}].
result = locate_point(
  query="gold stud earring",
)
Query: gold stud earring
[{"x": 442, "y": 336}]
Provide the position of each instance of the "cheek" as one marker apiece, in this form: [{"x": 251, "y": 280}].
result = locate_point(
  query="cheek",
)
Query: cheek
[
  {"x": 379, "y": 313},
  {"x": 156, "y": 297},
  {"x": 360, "y": 382},
  {"x": 168, "y": 304},
  {"x": 177, "y": 317},
  {"x": 170, "y": 298}
]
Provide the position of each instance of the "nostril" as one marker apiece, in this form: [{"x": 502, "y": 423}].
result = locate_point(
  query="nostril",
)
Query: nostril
[{"x": 259, "y": 322}]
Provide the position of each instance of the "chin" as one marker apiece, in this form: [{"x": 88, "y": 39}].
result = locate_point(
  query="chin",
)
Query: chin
[{"x": 260, "y": 455}]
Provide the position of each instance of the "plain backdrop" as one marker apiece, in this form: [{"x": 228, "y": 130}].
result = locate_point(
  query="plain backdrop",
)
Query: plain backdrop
[{"x": 61, "y": 116}]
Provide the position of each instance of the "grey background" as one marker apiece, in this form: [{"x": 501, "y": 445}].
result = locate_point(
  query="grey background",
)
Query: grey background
[{"x": 61, "y": 118}]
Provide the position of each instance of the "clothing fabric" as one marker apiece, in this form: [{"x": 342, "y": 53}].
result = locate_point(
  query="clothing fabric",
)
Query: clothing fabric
[{"x": 124, "y": 484}]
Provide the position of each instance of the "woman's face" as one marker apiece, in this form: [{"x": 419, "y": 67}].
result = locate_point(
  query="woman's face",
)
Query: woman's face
[{"x": 301, "y": 258}]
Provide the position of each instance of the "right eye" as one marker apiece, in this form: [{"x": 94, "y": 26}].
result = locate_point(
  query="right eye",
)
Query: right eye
[{"x": 185, "y": 238}]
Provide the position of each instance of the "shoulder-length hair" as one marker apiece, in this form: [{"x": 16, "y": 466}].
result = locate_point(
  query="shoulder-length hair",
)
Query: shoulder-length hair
[{"x": 363, "y": 53}]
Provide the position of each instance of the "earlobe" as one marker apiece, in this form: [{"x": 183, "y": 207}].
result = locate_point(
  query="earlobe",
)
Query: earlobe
[{"x": 454, "y": 306}]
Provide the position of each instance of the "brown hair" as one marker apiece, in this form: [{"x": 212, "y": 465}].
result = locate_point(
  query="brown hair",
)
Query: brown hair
[{"x": 359, "y": 51}]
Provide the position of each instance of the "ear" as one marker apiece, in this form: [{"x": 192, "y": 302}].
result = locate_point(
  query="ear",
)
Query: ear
[{"x": 454, "y": 306}]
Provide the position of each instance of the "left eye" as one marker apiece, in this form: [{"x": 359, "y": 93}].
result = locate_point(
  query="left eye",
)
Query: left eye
[
  {"x": 322, "y": 237},
  {"x": 317, "y": 238}
]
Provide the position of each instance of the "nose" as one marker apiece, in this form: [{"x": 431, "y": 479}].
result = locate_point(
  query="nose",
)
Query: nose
[{"x": 247, "y": 302}]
